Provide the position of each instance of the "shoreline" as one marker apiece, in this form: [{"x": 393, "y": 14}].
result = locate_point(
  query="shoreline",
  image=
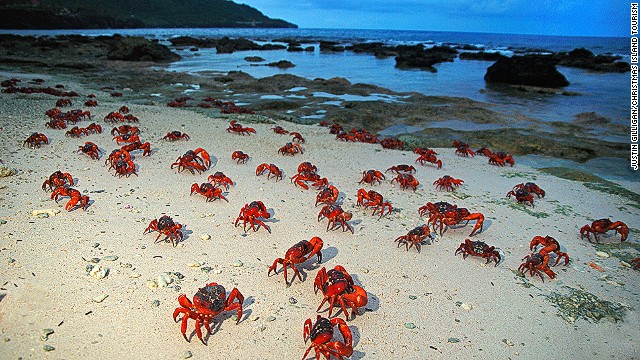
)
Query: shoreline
[
  {"x": 358, "y": 105},
  {"x": 458, "y": 308}
]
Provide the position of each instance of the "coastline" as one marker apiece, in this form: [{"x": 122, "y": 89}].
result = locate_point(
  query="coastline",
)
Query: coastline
[{"x": 456, "y": 308}]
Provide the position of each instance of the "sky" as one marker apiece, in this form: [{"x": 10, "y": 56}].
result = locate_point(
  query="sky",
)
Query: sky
[{"x": 544, "y": 17}]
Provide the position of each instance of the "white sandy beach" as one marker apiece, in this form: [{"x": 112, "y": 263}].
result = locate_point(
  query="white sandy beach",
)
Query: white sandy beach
[{"x": 461, "y": 309}]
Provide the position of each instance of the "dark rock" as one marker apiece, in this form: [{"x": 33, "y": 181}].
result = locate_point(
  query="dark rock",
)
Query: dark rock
[
  {"x": 253, "y": 59},
  {"x": 295, "y": 48},
  {"x": 310, "y": 48},
  {"x": 585, "y": 59},
  {"x": 331, "y": 46},
  {"x": 140, "y": 49},
  {"x": 282, "y": 64},
  {"x": 418, "y": 57},
  {"x": 482, "y": 55},
  {"x": 591, "y": 118},
  {"x": 531, "y": 70},
  {"x": 227, "y": 45},
  {"x": 272, "y": 47},
  {"x": 277, "y": 105}
]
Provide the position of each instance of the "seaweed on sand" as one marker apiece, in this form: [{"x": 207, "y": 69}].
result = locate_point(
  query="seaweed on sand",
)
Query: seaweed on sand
[
  {"x": 581, "y": 304},
  {"x": 595, "y": 183}
]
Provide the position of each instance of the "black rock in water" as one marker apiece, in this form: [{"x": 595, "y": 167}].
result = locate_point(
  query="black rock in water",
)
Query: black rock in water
[{"x": 530, "y": 70}]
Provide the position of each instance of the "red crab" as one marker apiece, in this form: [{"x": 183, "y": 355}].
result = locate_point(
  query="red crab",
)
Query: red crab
[
  {"x": 536, "y": 263},
  {"x": 321, "y": 334},
  {"x": 549, "y": 245},
  {"x": 272, "y": 171},
  {"x": 90, "y": 103},
  {"x": 478, "y": 248},
  {"x": 290, "y": 149},
  {"x": 462, "y": 149},
  {"x": 57, "y": 179},
  {"x": 531, "y": 188},
  {"x": 125, "y": 129},
  {"x": 297, "y": 137},
  {"x": 36, "y": 140},
  {"x": 124, "y": 109},
  {"x": 429, "y": 158},
  {"x": 117, "y": 155},
  {"x": 392, "y": 143},
  {"x": 279, "y": 130},
  {"x": 146, "y": 147},
  {"x": 328, "y": 195},
  {"x": 131, "y": 118},
  {"x": 297, "y": 254},
  {"x": 454, "y": 216},
  {"x": 94, "y": 128},
  {"x": 402, "y": 169},
  {"x": 75, "y": 197},
  {"x": 501, "y": 159},
  {"x": 424, "y": 151},
  {"x": 209, "y": 191},
  {"x": 406, "y": 181},
  {"x": 126, "y": 139},
  {"x": 307, "y": 167},
  {"x": 435, "y": 208},
  {"x": 219, "y": 178},
  {"x": 522, "y": 195},
  {"x": 175, "y": 135},
  {"x": 197, "y": 159},
  {"x": 300, "y": 179},
  {"x": 63, "y": 102},
  {"x": 338, "y": 288},
  {"x": 483, "y": 151},
  {"x": 124, "y": 168},
  {"x": 114, "y": 116},
  {"x": 250, "y": 214},
  {"x": 77, "y": 132},
  {"x": 239, "y": 156},
  {"x": 90, "y": 149},
  {"x": 336, "y": 216},
  {"x": 208, "y": 302},
  {"x": 448, "y": 183},
  {"x": 238, "y": 129},
  {"x": 601, "y": 226},
  {"x": 371, "y": 177},
  {"x": 165, "y": 226},
  {"x": 635, "y": 263},
  {"x": 58, "y": 124},
  {"x": 415, "y": 237},
  {"x": 335, "y": 129},
  {"x": 374, "y": 200}
]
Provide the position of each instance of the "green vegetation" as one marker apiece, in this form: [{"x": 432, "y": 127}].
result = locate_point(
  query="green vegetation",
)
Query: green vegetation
[
  {"x": 617, "y": 250},
  {"x": 66, "y": 14},
  {"x": 595, "y": 183},
  {"x": 581, "y": 304}
]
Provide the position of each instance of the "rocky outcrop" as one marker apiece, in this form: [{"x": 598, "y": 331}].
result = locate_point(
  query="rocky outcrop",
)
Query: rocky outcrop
[
  {"x": 282, "y": 64},
  {"x": 331, "y": 46},
  {"x": 418, "y": 57},
  {"x": 531, "y": 70},
  {"x": 585, "y": 59},
  {"x": 224, "y": 45},
  {"x": 140, "y": 49}
]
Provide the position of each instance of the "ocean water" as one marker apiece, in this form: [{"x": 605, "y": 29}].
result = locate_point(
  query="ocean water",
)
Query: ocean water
[{"x": 607, "y": 94}]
